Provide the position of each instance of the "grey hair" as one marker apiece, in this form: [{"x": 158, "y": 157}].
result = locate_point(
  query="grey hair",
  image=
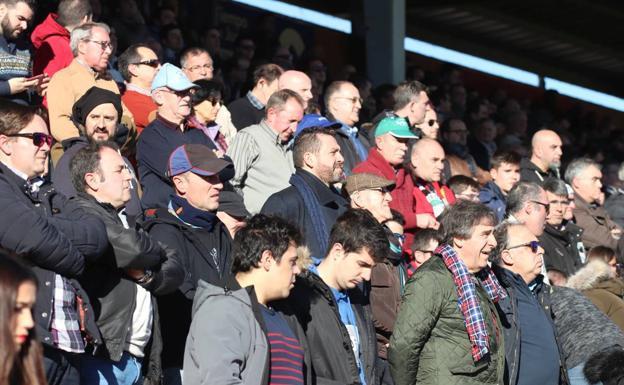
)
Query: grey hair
[
  {"x": 577, "y": 166},
  {"x": 520, "y": 194},
  {"x": 459, "y": 220},
  {"x": 84, "y": 32},
  {"x": 555, "y": 186},
  {"x": 501, "y": 233}
]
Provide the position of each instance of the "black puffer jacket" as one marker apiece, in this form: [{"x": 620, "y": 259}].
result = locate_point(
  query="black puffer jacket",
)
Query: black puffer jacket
[
  {"x": 563, "y": 248},
  {"x": 333, "y": 361},
  {"x": 113, "y": 294},
  {"x": 53, "y": 241}
]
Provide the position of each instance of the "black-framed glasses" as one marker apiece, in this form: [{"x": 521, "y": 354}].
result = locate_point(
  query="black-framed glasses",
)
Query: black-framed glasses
[
  {"x": 102, "y": 44},
  {"x": 533, "y": 245},
  {"x": 215, "y": 101},
  {"x": 546, "y": 205},
  {"x": 38, "y": 138},
  {"x": 181, "y": 94},
  {"x": 383, "y": 190},
  {"x": 353, "y": 100},
  {"x": 154, "y": 63}
]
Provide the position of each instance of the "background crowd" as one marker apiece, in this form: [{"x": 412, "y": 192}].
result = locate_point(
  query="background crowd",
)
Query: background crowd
[{"x": 178, "y": 213}]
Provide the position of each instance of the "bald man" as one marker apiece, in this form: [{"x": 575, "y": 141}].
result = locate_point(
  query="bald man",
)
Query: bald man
[
  {"x": 299, "y": 82},
  {"x": 432, "y": 198},
  {"x": 545, "y": 158}
]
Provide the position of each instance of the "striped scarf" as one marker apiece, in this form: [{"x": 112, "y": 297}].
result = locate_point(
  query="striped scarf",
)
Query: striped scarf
[{"x": 467, "y": 298}]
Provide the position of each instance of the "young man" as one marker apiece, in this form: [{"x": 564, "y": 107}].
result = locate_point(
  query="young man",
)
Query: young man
[
  {"x": 423, "y": 247},
  {"x": 235, "y": 336},
  {"x": 505, "y": 173},
  {"x": 331, "y": 307},
  {"x": 464, "y": 188}
]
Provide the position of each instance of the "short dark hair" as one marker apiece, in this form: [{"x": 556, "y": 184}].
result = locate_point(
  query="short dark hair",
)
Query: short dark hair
[
  {"x": 460, "y": 219},
  {"x": 423, "y": 237},
  {"x": 129, "y": 56},
  {"x": 14, "y": 117},
  {"x": 357, "y": 230},
  {"x": 555, "y": 186},
  {"x": 521, "y": 193},
  {"x": 459, "y": 183},
  {"x": 262, "y": 233},
  {"x": 500, "y": 157},
  {"x": 269, "y": 72},
  {"x": 279, "y": 98},
  {"x": 72, "y": 12},
  {"x": 87, "y": 160},
  {"x": 308, "y": 141},
  {"x": 206, "y": 89},
  {"x": 406, "y": 91}
]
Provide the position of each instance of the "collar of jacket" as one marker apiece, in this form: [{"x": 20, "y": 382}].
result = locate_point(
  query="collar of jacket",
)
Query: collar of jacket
[
  {"x": 272, "y": 134},
  {"x": 324, "y": 193},
  {"x": 389, "y": 172},
  {"x": 106, "y": 206}
]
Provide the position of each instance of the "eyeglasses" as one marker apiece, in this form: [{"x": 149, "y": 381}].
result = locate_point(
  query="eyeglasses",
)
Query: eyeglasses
[
  {"x": 198, "y": 67},
  {"x": 154, "y": 63},
  {"x": 353, "y": 100},
  {"x": 180, "y": 94},
  {"x": 215, "y": 101},
  {"x": 103, "y": 44},
  {"x": 38, "y": 138},
  {"x": 400, "y": 237},
  {"x": 382, "y": 190},
  {"x": 534, "y": 245},
  {"x": 546, "y": 205}
]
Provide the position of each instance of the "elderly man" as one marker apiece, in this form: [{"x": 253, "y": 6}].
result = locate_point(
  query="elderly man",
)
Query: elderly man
[
  {"x": 135, "y": 267},
  {"x": 545, "y": 157},
  {"x": 561, "y": 240},
  {"x": 56, "y": 242},
  {"x": 138, "y": 65},
  {"x": 598, "y": 228},
  {"x": 386, "y": 160},
  {"x": 250, "y": 109},
  {"x": 343, "y": 105},
  {"x": 431, "y": 343},
  {"x": 189, "y": 225},
  {"x": 92, "y": 47},
  {"x": 531, "y": 350},
  {"x": 299, "y": 82},
  {"x": 97, "y": 115},
  {"x": 171, "y": 91},
  {"x": 370, "y": 192},
  {"x": 318, "y": 166},
  {"x": 527, "y": 204},
  {"x": 262, "y": 158}
]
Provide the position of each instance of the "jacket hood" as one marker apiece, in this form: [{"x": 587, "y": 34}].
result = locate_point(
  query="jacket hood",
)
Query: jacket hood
[
  {"x": 47, "y": 29},
  {"x": 208, "y": 292},
  {"x": 590, "y": 275}
]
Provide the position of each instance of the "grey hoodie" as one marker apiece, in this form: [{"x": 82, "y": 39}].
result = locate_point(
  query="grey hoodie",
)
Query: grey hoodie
[{"x": 225, "y": 344}]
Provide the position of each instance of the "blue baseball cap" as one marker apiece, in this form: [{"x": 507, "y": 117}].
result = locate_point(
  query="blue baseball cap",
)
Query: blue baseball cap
[
  {"x": 315, "y": 120},
  {"x": 172, "y": 77},
  {"x": 197, "y": 158}
]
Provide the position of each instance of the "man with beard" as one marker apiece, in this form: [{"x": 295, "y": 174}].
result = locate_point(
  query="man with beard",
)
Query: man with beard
[
  {"x": 545, "y": 157},
  {"x": 312, "y": 202},
  {"x": 14, "y": 55},
  {"x": 386, "y": 160},
  {"x": 448, "y": 330},
  {"x": 97, "y": 114}
]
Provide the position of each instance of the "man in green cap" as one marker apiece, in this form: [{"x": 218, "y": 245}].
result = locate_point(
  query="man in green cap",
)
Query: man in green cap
[{"x": 385, "y": 159}]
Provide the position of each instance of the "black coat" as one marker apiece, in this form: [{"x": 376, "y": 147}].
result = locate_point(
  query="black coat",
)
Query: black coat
[
  {"x": 205, "y": 255},
  {"x": 333, "y": 362},
  {"x": 562, "y": 248},
  {"x": 52, "y": 241},
  {"x": 244, "y": 114},
  {"x": 289, "y": 205},
  {"x": 529, "y": 172},
  {"x": 113, "y": 293}
]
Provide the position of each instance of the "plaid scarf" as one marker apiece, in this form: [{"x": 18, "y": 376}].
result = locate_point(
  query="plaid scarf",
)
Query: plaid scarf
[{"x": 467, "y": 298}]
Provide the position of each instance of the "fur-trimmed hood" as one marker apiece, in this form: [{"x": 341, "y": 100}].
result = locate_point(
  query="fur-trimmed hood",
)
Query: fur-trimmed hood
[{"x": 590, "y": 275}]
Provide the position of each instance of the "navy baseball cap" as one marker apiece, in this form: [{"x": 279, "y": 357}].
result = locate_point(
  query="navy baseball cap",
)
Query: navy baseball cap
[
  {"x": 315, "y": 120},
  {"x": 197, "y": 158}
]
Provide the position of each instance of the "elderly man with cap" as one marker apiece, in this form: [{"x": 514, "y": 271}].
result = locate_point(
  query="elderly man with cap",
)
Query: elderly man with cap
[
  {"x": 386, "y": 160},
  {"x": 97, "y": 114},
  {"x": 311, "y": 201},
  {"x": 171, "y": 91},
  {"x": 189, "y": 224}
]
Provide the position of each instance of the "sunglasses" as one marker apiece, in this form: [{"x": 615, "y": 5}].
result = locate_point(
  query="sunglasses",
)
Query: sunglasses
[
  {"x": 154, "y": 63},
  {"x": 353, "y": 100},
  {"x": 431, "y": 122},
  {"x": 214, "y": 101},
  {"x": 38, "y": 138},
  {"x": 546, "y": 205},
  {"x": 534, "y": 245}
]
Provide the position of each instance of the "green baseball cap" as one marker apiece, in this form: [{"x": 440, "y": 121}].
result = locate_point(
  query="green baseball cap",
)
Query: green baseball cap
[{"x": 395, "y": 126}]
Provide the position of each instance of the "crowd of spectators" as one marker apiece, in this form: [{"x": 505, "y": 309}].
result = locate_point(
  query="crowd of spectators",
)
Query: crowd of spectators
[{"x": 175, "y": 213}]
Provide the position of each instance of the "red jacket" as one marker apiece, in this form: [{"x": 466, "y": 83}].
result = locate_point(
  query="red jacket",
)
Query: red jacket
[
  {"x": 423, "y": 206},
  {"x": 52, "y": 51},
  {"x": 402, "y": 195}
]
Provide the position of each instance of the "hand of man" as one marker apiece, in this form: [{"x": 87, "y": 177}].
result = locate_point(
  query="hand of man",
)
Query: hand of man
[
  {"x": 426, "y": 221},
  {"x": 18, "y": 85}
]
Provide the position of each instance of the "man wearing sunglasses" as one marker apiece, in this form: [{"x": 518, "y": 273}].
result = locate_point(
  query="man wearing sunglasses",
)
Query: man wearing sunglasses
[
  {"x": 92, "y": 47},
  {"x": 37, "y": 226},
  {"x": 532, "y": 354},
  {"x": 138, "y": 65}
]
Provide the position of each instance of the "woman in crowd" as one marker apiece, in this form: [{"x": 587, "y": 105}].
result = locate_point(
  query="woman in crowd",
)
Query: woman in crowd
[
  {"x": 21, "y": 361},
  {"x": 207, "y": 101}
]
